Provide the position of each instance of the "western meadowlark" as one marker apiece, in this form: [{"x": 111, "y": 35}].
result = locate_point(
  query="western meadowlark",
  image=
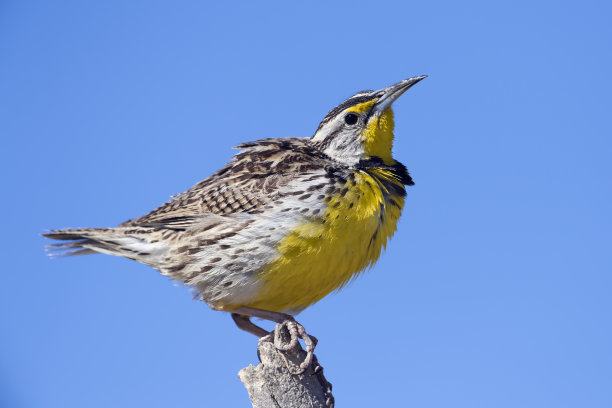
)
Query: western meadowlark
[{"x": 283, "y": 224}]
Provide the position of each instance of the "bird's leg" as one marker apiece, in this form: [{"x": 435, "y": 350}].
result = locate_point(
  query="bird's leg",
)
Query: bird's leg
[
  {"x": 241, "y": 318},
  {"x": 244, "y": 322}
]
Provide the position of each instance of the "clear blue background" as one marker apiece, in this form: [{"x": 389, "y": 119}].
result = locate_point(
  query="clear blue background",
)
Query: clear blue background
[{"x": 495, "y": 291}]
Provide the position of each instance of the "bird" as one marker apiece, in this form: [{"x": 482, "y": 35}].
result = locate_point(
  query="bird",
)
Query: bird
[{"x": 283, "y": 224}]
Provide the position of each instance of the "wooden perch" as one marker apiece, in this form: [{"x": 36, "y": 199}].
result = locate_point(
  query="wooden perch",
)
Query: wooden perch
[{"x": 274, "y": 382}]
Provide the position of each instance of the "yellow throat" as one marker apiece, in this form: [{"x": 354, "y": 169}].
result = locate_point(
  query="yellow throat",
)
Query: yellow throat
[{"x": 377, "y": 137}]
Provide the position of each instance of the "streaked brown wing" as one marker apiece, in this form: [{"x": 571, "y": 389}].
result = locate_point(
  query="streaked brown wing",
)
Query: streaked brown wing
[{"x": 252, "y": 180}]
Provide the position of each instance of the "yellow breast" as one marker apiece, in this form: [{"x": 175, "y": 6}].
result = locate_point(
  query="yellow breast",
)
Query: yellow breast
[{"x": 323, "y": 255}]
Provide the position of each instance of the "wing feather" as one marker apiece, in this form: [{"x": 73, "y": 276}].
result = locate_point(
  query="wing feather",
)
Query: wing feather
[{"x": 253, "y": 180}]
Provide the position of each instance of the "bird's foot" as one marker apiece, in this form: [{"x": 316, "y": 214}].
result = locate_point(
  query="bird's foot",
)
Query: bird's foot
[
  {"x": 296, "y": 332},
  {"x": 286, "y": 324}
]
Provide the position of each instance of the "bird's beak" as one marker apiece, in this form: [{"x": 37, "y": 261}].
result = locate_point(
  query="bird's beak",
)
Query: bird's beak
[{"x": 391, "y": 93}]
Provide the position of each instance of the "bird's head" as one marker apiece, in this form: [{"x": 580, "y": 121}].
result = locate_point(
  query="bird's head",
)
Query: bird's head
[{"x": 362, "y": 126}]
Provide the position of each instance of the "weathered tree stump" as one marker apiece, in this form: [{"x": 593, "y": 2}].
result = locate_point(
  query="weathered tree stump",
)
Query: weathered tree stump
[{"x": 278, "y": 381}]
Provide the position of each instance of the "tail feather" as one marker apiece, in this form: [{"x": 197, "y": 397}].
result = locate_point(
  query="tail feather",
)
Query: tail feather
[
  {"x": 127, "y": 242},
  {"x": 78, "y": 246}
]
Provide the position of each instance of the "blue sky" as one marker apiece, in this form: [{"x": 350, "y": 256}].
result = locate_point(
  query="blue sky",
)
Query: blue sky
[{"x": 495, "y": 291}]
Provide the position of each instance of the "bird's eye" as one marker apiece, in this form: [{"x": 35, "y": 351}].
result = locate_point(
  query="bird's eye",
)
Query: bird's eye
[{"x": 351, "y": 118}]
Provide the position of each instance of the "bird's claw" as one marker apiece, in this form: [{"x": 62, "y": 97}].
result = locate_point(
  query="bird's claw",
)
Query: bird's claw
[{"x": 296, "y": 332}]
